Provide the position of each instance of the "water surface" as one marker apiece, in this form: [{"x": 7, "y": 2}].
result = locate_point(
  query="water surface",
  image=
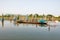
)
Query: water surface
[{"x": 11, "y": 31}]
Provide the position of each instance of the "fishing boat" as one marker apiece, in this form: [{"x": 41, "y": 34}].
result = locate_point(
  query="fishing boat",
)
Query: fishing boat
[
  {"x": 31, "y": 22},
  {"x": 40, "y": 22}
]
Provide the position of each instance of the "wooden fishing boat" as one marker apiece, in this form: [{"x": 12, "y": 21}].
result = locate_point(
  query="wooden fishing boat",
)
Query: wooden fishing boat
[{"x": 30, "y": 22}]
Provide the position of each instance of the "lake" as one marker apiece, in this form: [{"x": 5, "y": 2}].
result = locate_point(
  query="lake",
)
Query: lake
[{"x": 11, "y": 31}]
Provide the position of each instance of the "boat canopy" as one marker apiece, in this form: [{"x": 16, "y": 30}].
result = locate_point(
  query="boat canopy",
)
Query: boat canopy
[{"x": 42, "y": 21}]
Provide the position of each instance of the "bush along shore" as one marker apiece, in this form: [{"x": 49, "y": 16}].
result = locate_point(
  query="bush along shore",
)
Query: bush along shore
[{"x": 48, "y": 17}]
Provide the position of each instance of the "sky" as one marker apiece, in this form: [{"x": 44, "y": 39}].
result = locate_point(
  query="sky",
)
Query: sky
[{"x": 30, "y": 7}]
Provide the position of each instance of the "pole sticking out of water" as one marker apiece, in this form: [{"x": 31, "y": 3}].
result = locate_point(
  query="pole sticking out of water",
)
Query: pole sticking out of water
[{"x": 2, "y": 20}]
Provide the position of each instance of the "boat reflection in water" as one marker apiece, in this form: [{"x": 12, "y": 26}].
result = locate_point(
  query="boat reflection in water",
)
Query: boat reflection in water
[{"x": 38, "y": 25}]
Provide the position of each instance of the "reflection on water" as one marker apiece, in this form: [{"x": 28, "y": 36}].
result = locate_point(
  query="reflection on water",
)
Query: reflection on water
[
  {"x": 36, "y": 25},
  {"x": 17, "y": 31},
  {"x": 2, "y": 24}
]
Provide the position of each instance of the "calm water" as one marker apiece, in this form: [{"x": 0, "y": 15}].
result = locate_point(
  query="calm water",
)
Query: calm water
[{"x": 11, "y": 31}]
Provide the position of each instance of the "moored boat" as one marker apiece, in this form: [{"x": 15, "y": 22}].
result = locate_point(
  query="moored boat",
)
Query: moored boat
[{"x": 40, "y": 22}]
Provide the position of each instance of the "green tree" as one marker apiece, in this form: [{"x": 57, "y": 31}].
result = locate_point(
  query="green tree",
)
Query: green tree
[
  {"x": 49, "y": 16},
  {"x": 30, "y": 15},
  {"x": 58, "y": 18},
  {"x": 36, "y": 15}
]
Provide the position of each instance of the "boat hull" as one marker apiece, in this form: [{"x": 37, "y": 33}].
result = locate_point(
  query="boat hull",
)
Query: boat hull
[{"x": 31, "y": 22}]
